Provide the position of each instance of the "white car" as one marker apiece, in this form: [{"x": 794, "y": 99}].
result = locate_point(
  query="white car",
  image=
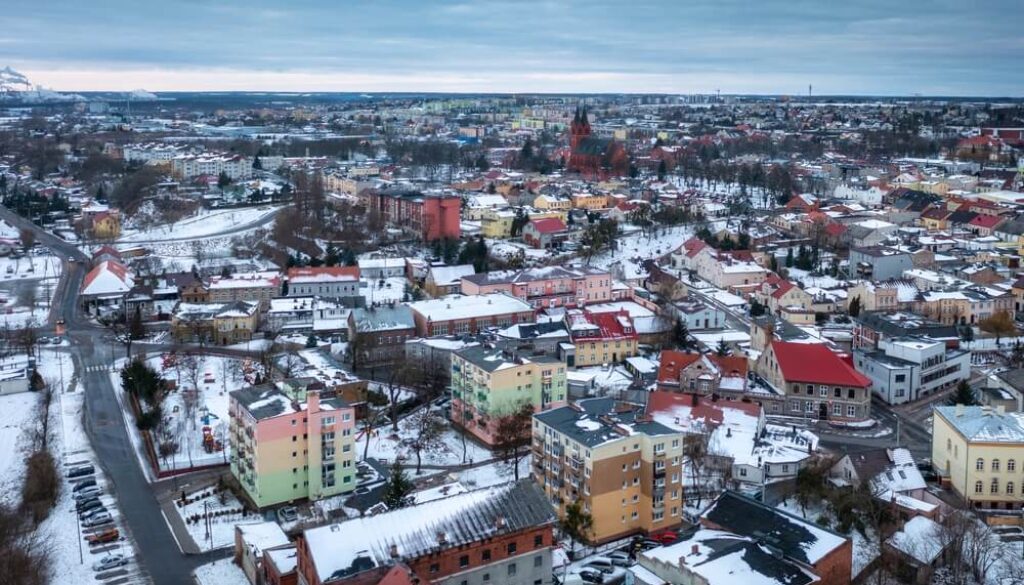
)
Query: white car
[
  {"x": 98, "y": 519},
  {"x": 109, "y": 562}
]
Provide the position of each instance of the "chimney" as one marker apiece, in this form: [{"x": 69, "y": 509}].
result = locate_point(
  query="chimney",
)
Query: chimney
[
  {"x": 394, "y": 551},
  {"x": 959, "y": 410},
  {"x": 695, "y": 549},
  {"x": 682, "y": 560},
  {"x": 500, "y": 523},
  {"x": 442, "y": 537}
]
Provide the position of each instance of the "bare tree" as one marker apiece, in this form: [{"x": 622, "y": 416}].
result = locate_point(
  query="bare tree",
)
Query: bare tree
[
  {"x": 427, "y": 428},
  {"x": 512, "y": 434}
]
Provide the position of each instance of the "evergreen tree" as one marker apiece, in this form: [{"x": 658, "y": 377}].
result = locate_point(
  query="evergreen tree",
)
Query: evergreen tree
[
  {"x": 311, "y": 342},
  {"x": 855, "y": 306},
  {"x": 257, "y": 163},
  {"x": 756, "y": 308},
  {"x": 331, "y": 255},
  {"x": 136, "y": 330},
  {"x": 964, "y": 395},
  {"x": 397, "y": 488},
  {"x": 789, "y": 258},
  {"x": 576, "y": 524},
  {"x": 723, "y": 348},
  {"x": 662, "y": 170}
]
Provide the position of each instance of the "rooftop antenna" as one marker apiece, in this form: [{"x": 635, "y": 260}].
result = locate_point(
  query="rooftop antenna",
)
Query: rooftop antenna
[{"x": 809, "y": 90}]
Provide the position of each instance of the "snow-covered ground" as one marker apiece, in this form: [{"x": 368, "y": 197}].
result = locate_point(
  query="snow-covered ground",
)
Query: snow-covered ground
[
  {"x": 218, "y": 511},
  {"x": 26, "y": 285},
  {"x": 222, "y": 572},
  {"x": 391, "y": 290},
  {"x": 386, "y": 445},
  {"x": 18, "y": 412},
  {"x": 218, "y": 376},
  {"x": 632, "y": 249},
  {"x": 205, "y": 223},
  {"x": 865, "y": 547},
  {"x": 492, "y": 474}
]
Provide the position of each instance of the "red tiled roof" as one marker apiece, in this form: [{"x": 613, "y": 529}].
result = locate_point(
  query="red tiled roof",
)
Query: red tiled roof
[
  {"x": 815, "y": 363},
  {"x": 986, "y": 221},
  {"x": 548, "y": 225},
  {"x": 783, "y": 287},
  {"x": 673, "y": 362},
  {"x": 835, "y": 229}
]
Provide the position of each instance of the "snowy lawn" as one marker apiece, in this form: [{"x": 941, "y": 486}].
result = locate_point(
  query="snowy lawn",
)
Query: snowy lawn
[
  {"x": 637, "y": 246},
  {"x": 385, "y": 445},
  {"x": 222, "y": 572},
  {"x": 391, "y": 290},
  {"x": 205, "y": 223},
  {"x": 18, "y": 410},
  {"x": 492, "y": 474}
]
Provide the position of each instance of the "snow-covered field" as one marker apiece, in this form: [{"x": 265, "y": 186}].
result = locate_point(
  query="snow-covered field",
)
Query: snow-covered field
[
  {"x": 205, "y": 223},
  {"x": 26, "y": 285},
  {"x": 391, "y": 290},
  {"x": 217, "y": 377},
  {"x": 634, "y": 248},
  {"x": 18, "y": 411}
]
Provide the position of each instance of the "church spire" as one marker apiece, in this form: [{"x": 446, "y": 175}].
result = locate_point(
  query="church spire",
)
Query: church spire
[
  {"x": 576, "y": 117},
  {"x": 583, "y": 116}
]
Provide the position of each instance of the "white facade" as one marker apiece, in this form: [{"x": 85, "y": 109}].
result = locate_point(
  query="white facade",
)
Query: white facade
[
  {"x": 235, "y": 167},
  {"x": 905, "y": 369}
]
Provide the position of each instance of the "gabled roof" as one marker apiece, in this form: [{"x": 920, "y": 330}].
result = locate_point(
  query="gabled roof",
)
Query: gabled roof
[
  {"x": 107, "y": 278},
  {"x": 323, "y": 274},
  {"x": 673, "y": 363},
  {"x": 815, "y": 363},
  {"x": 548, "y": 225},
  {"x": 987, "y": 221},
  {"x": 340, "y": 550}
]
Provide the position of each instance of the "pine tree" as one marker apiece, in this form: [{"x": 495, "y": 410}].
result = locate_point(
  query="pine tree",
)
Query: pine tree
[
  {"x": 964, "y": 395},
  {"x": 136, "y": 330},
  {"x": 723, "y": 348},
  {"x": 789, "y": 258},
  {"x": 397, "y": 488},
  {"x": 855, "y": 306}
]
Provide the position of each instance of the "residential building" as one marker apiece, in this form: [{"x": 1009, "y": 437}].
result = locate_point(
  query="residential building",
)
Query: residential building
[
  {"x": 825, "y": 554},
  {"x": 816, "y": 381},
  {"x": 293, "y": 314},
  {"x": 379, "y": 334},
  {"x": 872, "y": 327},
  {"x": 188, "y": 166},
  {"x": 601, "y": 338},
  {"x": 251, "y": 539},
  {"x": 977, "y": 451},
  {"x": 331, "y": 282},
  {"x": 501, "y": 534},
  {"x": 625, "y": 468},
  {"x": 446, "y": 280},
  {"x": 489, "y": 384},
  {"x": 905, "y": 369},
  {"x": 547, "y": 337},
  {"x": 257, "y": 287},
  {"x": 704, "y": 374},
  {"x": 700, "y": 316},
  {"x": 429, "y": 216},
  {"x": 218, "y": 323},
  {"x": 288, "y": 447},
  {"x": 891, "y": 475},
  {"x": 545, "y": 233},
  {"x": 879, "y": 262},
  {"x": 436, "y": 353},
  {"x": 461, "y": 314},
  {"x": 550, "y": 286}
]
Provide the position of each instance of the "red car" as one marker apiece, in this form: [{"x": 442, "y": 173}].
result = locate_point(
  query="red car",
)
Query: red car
[
  {"x": 109, "y": 535},
  {"x": 667, "y": 537}
]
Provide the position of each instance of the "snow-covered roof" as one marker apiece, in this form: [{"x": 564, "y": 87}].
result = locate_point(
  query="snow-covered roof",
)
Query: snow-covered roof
[
  {"x": 919, "y": 539},
  {"x": 453, "y": 307},
  {"x": 983, "y": 423}
]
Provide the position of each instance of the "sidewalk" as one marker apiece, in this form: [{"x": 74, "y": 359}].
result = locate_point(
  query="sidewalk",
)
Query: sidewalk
[{"x": 166, "y": 492}]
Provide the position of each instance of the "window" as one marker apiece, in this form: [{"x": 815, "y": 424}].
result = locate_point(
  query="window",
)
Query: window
[
  {"x": 995, "y": 465},
  {"x": 487, "y": 577},
  {"x": 851, "y": 410},
  {"x": 808, "y": 406},
  {"x": 327, "y": 421},
  {"x": 435, "y": 567},
  {"x": 838, "y": 392},
  {"x": 901, "y": 378},
  {"x": 511, "y": 548},
  {"x": 538, "y": 541},
  {"x": 511, "y": 569},
  {"x": 1011, "y": 465},
  {"x": 538, "y": 561},
  {"x": 851, "y": 393},
  {"x": 1009, "y": 488},
  {"x": 979, "y": 465},
  {"x": 463, "y": 561},
  {"x": 994, "y": 488},
  {"x": 978, "y": 487},
  {"x": 949, "y": 447},
  {"x": 823, "y": 392},
  {"x": 837, "y": 410},
  {"x": 486, "y": 555}
]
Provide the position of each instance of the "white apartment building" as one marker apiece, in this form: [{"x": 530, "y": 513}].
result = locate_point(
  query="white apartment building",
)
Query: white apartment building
[{"x": 904, "y": 369}]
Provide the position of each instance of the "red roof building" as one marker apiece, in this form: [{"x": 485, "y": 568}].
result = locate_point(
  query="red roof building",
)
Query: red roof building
[
  {"x": 685, "y": 372},
  {"x": 545, "y": 233},
  {"x": 817, "y": 382}
]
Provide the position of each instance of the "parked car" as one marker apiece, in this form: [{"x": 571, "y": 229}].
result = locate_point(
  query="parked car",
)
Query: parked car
[
  {"x": 108, "y": 535},
  {"x": 591, "y": 576},
  {"x": 667, "y": 537},
  {"x": 287, "y": 514},
  {"x": 81, "y": 471},
  {"x": 603, "y": 564},
  {"x": 109, "y": 562},
  {"x": 86, "y": 493},
  {"x": 82, "y": 484},
  {"x": 98, "y": 519},
  {"x": 620, "y": 559},
  {"x": 88, "y": 507}
]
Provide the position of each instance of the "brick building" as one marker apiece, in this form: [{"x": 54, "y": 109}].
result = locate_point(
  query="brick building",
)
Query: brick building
[{"x": 429, "y": 216}]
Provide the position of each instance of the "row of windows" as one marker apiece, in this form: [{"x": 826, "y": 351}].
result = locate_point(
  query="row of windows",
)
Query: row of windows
[
  {"x": 979, "y": 464},
  {"x": 485, "y": 558},
  {"x": 993, "y": 487}
]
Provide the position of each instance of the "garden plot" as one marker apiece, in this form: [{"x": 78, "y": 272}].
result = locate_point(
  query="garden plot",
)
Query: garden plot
[
  {"x": 222, "y": 572},
  {"x": 210, "y": 516},
  {"x": 195, "y": 415}
]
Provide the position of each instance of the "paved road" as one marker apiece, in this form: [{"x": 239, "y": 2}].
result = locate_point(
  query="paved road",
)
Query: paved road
[{"x": 158, "y": 552}]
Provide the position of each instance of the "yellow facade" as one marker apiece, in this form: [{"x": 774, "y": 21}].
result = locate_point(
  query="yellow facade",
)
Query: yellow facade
[
  {"x": 987, "y": 471},
  {"x": 589, "y": 201},
  {"x": 596, "y": 353},
  {"x": 495, "y": 223},
  {"x": 107, "y": 227},
  {"x": 549, "y": 202}
]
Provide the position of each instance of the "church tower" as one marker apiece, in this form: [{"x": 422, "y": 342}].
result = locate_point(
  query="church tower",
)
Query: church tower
[{"x": 579, "y": 129}]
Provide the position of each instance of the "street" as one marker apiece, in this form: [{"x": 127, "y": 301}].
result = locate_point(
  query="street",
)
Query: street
[{"x": 158, "y": 552}]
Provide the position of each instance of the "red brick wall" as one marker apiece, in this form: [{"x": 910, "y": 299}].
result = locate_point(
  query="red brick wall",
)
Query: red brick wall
[
  {"x": 837, "y": 566},
  {"x": 447, "y": 561}
]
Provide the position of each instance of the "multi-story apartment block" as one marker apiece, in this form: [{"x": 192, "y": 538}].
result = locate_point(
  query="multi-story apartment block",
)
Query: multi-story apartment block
[
  {"x": 551, "y": 286},
  {"x": 904, "y": 369},
  {"x": 625, "y": 468},
  {"x": 291, "y": 446},
  {"x": 979, "y": 452},
  {"x": 461, "y": 314},
  {"x": 332, "y": 282},
  {"x": 816, "y": 381},
  {"x": 236, "y": 167},
  {"x": 601, "y": 338},
  {"x": 488, "y": 384},
  {"x": 433, "y": 216}
]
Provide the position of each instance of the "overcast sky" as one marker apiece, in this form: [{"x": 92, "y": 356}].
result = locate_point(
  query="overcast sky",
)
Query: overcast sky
[{"x": 947, "y": 47}]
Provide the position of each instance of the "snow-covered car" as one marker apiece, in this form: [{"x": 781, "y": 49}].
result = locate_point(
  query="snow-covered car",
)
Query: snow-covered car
[
  {"x": 287, "y": 514},
  {"x": 109, "y": 562},
  {"x": 87, "y": 493},
  {"x": 620, "y": 559}
]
